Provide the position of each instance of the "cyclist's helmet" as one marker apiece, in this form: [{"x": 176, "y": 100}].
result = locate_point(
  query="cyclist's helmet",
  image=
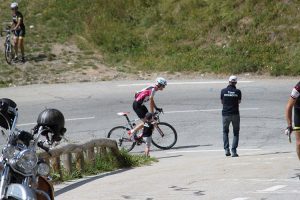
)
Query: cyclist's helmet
[
  {"x": 161, "y": 82},
  {"x": 54, "y": 120},
  {"x": 8, "y": 111},
  {"x": 14, "y": 5}
]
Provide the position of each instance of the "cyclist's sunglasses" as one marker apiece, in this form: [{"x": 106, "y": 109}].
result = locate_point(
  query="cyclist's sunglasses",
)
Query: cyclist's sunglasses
[{"x": 161, "y": 86}]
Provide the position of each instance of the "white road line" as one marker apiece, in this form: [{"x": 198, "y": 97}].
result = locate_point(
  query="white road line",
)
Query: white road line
[
  {"x": 241, "y": 198},
  {"x": 71, "y": 119},
  {"x": 207, "y": 110},
  {"x": 273, "y": 189},
  {"x": 183, "y": 83},
  {"x": 208, "y": 150}
]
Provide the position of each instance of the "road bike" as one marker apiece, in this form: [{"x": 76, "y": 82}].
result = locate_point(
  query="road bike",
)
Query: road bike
[
  {"x": 9, "y": 52},
  {"x": 164, "y": 135}
]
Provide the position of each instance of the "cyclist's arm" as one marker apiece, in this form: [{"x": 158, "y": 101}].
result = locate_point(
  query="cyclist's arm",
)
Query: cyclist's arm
[
  {"x": 289, "y": 110},
  {"x": 152, "y": 104},
  {"x": 18, "y": 24}
]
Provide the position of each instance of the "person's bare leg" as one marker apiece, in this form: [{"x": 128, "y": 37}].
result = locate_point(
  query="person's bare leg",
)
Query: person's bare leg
[
  {"x": 297, "y": 134},
  {"x": 16, "y": 46},
  {"x": 21, "y": 43},
  {"x": 147, "y": 151}
]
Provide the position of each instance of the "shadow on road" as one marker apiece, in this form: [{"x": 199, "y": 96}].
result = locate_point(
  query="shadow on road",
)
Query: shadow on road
[
  {"x": 87, "y": 180},
  {"x": 192, "y": 146},
  {"x": 168, "y": 157},
  {"x": 297, "y": 175},
  {"x": 271, "y": 153}
]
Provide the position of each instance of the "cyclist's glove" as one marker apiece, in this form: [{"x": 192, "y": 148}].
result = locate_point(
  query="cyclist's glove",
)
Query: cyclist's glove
[
  {"x": 288, "y": 131},
  {"x": 159, "y": 109}
]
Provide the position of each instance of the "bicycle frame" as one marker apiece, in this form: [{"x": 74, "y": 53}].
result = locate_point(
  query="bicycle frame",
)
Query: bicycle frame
[{"x": 130, "y": 123}]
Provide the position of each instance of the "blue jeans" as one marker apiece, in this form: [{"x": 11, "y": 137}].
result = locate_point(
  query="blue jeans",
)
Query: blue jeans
[{"x": 235, "y": 120}]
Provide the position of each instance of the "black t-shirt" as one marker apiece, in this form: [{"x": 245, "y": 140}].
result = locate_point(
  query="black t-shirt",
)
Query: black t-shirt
[
  {"x": 230, "y": 97},
  {"x": 148, "y": 129},
  {"x": 16, "y": 17}
]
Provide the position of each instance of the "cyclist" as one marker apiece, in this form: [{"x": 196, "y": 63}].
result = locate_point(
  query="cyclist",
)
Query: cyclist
[
  {"x": 18, "y": 28},
  {"x": 147, "y": 94},
  {"x": 148, "y": 127},
  {"x": 294, "y": 101}
]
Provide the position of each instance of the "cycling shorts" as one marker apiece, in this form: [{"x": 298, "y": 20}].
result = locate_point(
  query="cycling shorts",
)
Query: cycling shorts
[
  {"x": 19, "y": 33},
  {"x": 140, "y": 109},
  {"x": 297, "y": 117}
]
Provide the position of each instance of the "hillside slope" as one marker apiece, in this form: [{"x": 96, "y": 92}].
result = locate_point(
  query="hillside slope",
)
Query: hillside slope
[{"x": 230, "y": 36}]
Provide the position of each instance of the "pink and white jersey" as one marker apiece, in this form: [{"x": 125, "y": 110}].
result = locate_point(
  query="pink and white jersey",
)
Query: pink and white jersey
[
  {"x": 296, "y": 91},
  {"x": 145, "y": 94}
]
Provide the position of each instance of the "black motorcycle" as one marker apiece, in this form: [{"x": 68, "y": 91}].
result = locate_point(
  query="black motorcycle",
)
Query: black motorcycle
[{"x": 24, "y": 175}]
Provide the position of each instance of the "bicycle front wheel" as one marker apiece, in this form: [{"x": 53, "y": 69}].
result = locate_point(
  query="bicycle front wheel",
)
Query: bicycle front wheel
[
  {"x": 119, "y": 133},
  {"x": 8, "y": 52},
  {"x": 164, "y": 136}
]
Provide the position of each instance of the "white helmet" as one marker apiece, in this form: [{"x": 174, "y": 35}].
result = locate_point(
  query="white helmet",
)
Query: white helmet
[
  {"x": 13, "y": 5},
  {"x": 161, "y": 81}
]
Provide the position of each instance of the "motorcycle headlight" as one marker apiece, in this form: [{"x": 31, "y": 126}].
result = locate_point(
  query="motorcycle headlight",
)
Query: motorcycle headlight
[
  {"x": 8, "y": 152},
  {"x": 43, "y": 169},
  {"x": 26, "y": 160}
]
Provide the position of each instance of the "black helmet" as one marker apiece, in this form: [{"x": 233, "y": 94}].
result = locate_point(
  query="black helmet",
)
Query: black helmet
[
  {"x": 54, "y": 120},
  {"x": 8, "y": 109},
  {"x": 149, "y": 116}
]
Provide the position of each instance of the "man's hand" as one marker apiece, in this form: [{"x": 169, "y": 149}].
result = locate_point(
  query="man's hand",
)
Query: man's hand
[{"x": 288, "y": 131}]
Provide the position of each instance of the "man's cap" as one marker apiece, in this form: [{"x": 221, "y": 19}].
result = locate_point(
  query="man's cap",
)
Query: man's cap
[{"x": 233, "y": 79}]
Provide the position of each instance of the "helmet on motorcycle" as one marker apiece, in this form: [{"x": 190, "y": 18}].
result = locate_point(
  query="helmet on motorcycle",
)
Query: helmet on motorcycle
[
  {"x": 54, "y": 120},
  {"x": 14, "y": 5},
  {"x": 8, "y": 112},
  {"x": 161, "y": 81}
]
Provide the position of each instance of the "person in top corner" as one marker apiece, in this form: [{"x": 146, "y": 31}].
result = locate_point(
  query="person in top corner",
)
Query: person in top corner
[
  {"x": 18, "y": 28},
  {"x": 231, "y": 98}
]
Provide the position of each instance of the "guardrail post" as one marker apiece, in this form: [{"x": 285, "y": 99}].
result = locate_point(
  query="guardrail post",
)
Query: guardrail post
[
  {"x": 55, "y": 162},
  {"x": 102, "y": 151},
  {"x": 91, "y": 155},
  {"x": 67, "y": 162},
  {"x": 80, "y": 161}
]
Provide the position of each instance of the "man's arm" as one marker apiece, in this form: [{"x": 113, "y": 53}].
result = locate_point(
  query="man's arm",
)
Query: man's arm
[{"x": 289, "y": 110}]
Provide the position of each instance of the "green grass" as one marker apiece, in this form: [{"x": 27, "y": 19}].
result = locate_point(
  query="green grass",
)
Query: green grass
[
  {"x": 105, "y": 164},
  {"x": 230, "y": 36}
]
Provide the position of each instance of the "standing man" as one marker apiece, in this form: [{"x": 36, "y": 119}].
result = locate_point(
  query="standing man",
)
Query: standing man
[
  {"x": 294, "y": 101},
  {"x": 18, "y": 28},
  {"x": 231, "y": 98}
]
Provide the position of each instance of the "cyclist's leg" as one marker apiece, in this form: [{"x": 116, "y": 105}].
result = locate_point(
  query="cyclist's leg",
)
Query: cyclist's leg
[
  {"x": 297, "y": 133},
  {"x": 226, "y": 122},
  {"x": 140, "y": 110},
  {"x": 21, "y": 43},
  {"x": 16, "y": 42}
]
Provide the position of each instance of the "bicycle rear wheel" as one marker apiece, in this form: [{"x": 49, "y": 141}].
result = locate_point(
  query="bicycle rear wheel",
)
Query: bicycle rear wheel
[
  {"x": 8, "y": 53},
  {"x": 164, "y": 136},
  {"x": 119, "y": 133}
]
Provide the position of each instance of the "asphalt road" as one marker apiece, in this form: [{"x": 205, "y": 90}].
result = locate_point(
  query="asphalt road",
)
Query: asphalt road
[{"x": 196, "y": 167}]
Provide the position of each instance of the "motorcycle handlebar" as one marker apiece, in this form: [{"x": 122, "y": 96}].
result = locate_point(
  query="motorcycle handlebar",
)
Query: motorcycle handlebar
[{"x": 41, "y": 145}]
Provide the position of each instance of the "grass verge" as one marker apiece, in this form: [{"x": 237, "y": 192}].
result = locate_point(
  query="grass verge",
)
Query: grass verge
[{"x": 104, "y": 164}]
